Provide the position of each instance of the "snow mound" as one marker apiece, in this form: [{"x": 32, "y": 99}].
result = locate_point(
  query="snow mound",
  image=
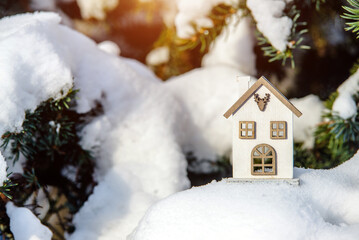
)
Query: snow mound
[
  {"x": 312, "y": 109},
  {"x": 25, "y": 225},
  {"x": 344, "y": 105},
  {"x": 205, "y": 94},
  {"x": 324, "y": 207},
  {"x": 271, "y": 22}
]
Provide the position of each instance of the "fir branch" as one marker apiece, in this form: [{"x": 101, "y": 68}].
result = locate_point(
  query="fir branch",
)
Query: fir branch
[
  {"x": 336, "y": 139},
  {"x": 32, "y": 180},
  {"x": 6, "y": 188},
  {"x": 295, "y": 41},
  {"x": 205, "y": 36},
  {"x": 186, "y": 53},
  {"x": 352, "y": 14},
  {"x": 49, "y": 144}
]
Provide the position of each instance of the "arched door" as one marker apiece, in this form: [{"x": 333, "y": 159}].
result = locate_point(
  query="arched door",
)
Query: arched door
[{"x": 263, "y": 159}]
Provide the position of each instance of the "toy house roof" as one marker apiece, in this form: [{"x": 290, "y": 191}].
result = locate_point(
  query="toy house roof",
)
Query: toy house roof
[{"x": 260, "y": 82}]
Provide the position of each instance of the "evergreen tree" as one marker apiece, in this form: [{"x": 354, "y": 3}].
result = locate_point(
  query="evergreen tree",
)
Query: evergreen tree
[{"x": 54, "y": 165}]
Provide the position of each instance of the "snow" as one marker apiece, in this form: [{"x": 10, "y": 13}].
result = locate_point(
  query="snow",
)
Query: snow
[
  {"x": 234, "y": 46},
  {"x": 96, "y": 8},
  {"x": 271, "y": 22},
  {"x": 213, "y": 86},
  {"x": 324, "y": 206},
  {"x": 344, "y": 105},
  {"x": 304, "y": 127},
  {"x": 3, "y": 175},
  {"x": 27, "y": 80},
  {"x": 140, "y": 140},
  {"x": 110, "y": 47},
  {"x": 158, "y": 56},
  {"x": 51, "y": 5},
  {"x": 147, "y": 126},
  {"x": 168, "y": 10},
  {"x": 196, "y": 12},
  {"x": 12, "y": 167},
  {"x": 25, "y": 225},
  {"x": 136, "y": 141}
]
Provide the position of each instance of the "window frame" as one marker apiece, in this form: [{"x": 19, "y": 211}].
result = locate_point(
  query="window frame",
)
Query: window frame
[
  {"x": 263, "y": 156},
  {"x": 246, "y": 129},
  {"x": 277, "y": 130}
]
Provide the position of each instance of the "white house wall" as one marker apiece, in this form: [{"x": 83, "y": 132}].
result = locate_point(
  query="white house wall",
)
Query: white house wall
[{"x": 275, "y": 111}]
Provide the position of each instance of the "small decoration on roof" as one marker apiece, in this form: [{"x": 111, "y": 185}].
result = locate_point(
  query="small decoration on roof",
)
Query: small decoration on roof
[{"x": 262, "y": 102}]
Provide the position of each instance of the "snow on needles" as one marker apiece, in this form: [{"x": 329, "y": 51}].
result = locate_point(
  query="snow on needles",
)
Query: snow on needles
[
  {"x": 323, "y": 207},
  {"x": 158, "y": 56},
  {"x": 271, "y": 22},
  {"x": 344, "y": 105},
  {"x": 110, "y": 47},
  {"x": 267, "y": 13},
  {"x": 31, "y": 71},
  {"x": 196, "y": 12}
]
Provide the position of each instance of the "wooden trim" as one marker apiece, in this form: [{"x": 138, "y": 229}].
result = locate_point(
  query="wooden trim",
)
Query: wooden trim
[
  {"x": 263, "y": 155},
  {"x": 277, "y": 130},
  {"x": 261, "y": 81},
  {"x": 246, "y": 130}
]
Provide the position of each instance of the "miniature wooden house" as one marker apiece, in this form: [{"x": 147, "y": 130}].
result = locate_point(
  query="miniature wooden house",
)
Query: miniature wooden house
[{"x": 262, "y": 133}]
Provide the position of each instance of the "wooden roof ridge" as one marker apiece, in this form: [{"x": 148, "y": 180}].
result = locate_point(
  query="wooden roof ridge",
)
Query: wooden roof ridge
[{"x": 261, "y": 81}]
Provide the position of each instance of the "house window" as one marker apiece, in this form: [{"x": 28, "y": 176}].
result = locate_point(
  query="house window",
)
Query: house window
[
  {"x": 263, "y": 160},
  {"x": 247, "y": 129},
  {"x": 278, "y": 129}
]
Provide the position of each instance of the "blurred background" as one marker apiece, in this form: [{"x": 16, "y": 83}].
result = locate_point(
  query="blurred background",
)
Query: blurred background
[
  {"x": 319, "y": 54},
  {"x": 139, "y": 26}
]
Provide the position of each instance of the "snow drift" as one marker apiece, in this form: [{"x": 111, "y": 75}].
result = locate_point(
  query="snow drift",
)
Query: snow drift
[{"x": 324, "y": 206}]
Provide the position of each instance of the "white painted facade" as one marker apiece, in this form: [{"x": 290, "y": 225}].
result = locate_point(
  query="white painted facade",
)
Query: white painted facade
[{"x": 242, "y": 148}]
